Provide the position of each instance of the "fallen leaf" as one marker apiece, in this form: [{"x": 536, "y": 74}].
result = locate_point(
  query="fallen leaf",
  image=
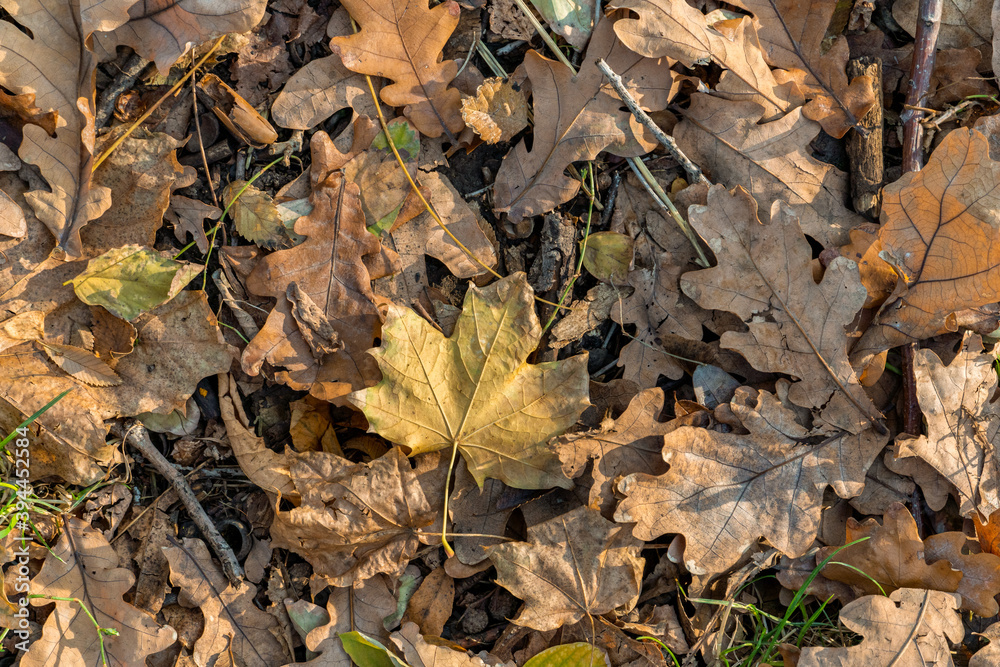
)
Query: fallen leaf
[
  {"x": 132, "y": 280},
  {"x": 794, "y": 37},
  {"x": 234, "y": 626},
  {"x": 930, "y": 220},
  {"x": 432, "y": 603},
  {"x": 58, "y": 67},
  {"x": 164, "y": 30},
  {"x": 475, "y": 510},
  {"x": 421, "y": 653},
  {"x": 82, "y": 364},
  {"x": 355, "y": 520},
  {"x": 795, "y": 325},
  {"x": 724, "y": 491},
  {"x": 961, "y": 424},
  {"x": 877, "y": 275},
  {"x": 368, "y": 652},
  {"x": 362, "y": 606},
  {"x": 474, "y": 390},
  {"x": 989, "y": 655},
  {"x": 329, "y": 267},
  {"x": 608, "y": 256},
  {"x": 262, "y": 64},
  {"x": 188, "y": 217},
  {"x": 771, "y": 159},
  {"x": 402, "y": 42},
  {"x": 631, "y": 443},
  {"x": 577, "y": 117},
  {"x": 236, "y": 114},
  {"x": 676, "y": 30},
  {"x": 83, "y": 567},
  {"x": 141, "y": 174},
  {"x": 910, "y": 627},
  {"x": 578, "y": 654},
  {"x": 497, "y": 112},
  {"x": 12, "y": 222},
  {"x": 255, "y": 216},
  {"x": 573, "y": 566}
]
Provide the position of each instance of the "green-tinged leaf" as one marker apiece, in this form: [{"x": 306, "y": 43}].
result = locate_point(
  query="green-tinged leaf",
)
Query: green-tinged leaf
[
  {"x": 404, "y": 136},
  {"x": 608, "y": 256},
  {"x": 578, "y": 654},
  {"x": 573, "y": 19},
  {"x": 132, "y": 280},
  {"x": 255, "y": 216},
  {"x": 367, "y": 652},
  {"x": 407, "y": 587},
  {"x": 475, "y": 391}
]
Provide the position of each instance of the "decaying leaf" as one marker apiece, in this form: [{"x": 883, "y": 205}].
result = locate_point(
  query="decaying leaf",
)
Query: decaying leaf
[
  {"x": 771, "y": 160},
  {"x": 931, "y": 218},
  {"x": 83, "y": 566},
  {"x": 82, "y": 364},
  {"x": 188, "y": 217},
  {"x": 12, "y": 222},
  {"x": 431, "y": 604},
  {"x": 58, "y": 67},
  {"x": 793, "y": 35},
  {"x": 989, "y": 655},
  {"x": 402, "y": 41},
  {"x": 328, "y": 267},
  {"x": 497, "y": 112},
  {"x": 575, "y": 119},
  {"x": 674, "y": 29},
  {"x": 475, "y": 510},
  {"x": 608, "y": 256},
  {"x": 164, "y": 30},
  {"x": 355, "y": 520},
  {"x": 963, "y": 22},
  {"x": 474, "y": 391},
  {"x": 631, "y": 443},
  {"x": 234, "y": 626},
  {"x": 421, "y": 653},
  {"x": 573, "y": 566},
  {"x": 724, "y": 491},
  {"x": 910, "y": 627},
  {"x": 962, "y": 424},
  {"x": 795, "y": 326},
  {"x": 254, "y": 215}
]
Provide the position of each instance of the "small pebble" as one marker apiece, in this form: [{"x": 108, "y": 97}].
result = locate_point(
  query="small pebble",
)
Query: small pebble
[{"x": 475, "y": 620}]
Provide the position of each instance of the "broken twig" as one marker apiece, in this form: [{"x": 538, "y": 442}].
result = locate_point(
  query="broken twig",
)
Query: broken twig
[
  {"x": 135, "y": 434},
  {"x": 693, "y": 171}
]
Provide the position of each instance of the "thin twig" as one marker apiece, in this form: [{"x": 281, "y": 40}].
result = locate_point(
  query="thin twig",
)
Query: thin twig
[
  {"x": 694, "y": 172},
  {"x": 135, "y": 434},
  {"x": 654, "y": 189},
  {"x": 201, "y": 141},
  {"x": 544, "y": 34}
]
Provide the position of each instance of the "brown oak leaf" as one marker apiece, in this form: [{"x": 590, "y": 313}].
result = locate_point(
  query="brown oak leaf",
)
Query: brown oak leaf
[
  {"x": 771, "y": 159},
  {"x": 402, "y": 41},
  {"x": 795, "y": 326},
  {"x": 577, "y": 117},
  {"x": 82, "y": 568},
  {"x": 724, "y": 491},
  {"x": 573, "y": 566}
]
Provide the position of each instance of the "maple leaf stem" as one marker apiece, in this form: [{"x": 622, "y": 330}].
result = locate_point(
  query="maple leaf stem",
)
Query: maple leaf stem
[
  {"x": 693, "y": 171},
  {"x": 447, "y": 491}
]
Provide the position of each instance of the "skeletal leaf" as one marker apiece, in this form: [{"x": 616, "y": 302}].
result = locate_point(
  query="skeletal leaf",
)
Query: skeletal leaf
[
  {"x": 573, "y": 566},
  {"x": 474, "y": 391}
]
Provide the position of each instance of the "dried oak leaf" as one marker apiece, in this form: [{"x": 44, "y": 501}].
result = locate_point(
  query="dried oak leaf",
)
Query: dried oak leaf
[
  {"x": 631, "y": 443},
  {"x": 474, "y": 390},
  {"x": 476, "y": 510},
  {"x": 82, "y": 565},
  {"x": 421, "y": 653},
  {"x": 497, "y": 112},
  {"x": 355, "y": 520},
  {"x": 402, "y": 41},
  {"x": 188, "y": 216},
  {"x": 575, "y": 119},
  {"x": 676, "y": 30},
  {"x": 941, "y": 232},
  {"x": 795, "y": 326},
  {"x": 962, "y": 424},
  {"x": 359, "y": 607},
  {"x": 58, "y": 67},
  {"x": 141, "y": 174},
  {"x": 234, "y": 626},
  {"x": 573, "y": 566},
  {"x": 793, "y": 35},
  {"x": 771, "y": 159},
  {"x": 329, "y": 267},
  {"x": 164, "y": 30},
  {"x": 989, "y": 655},
  {"x": 910, "y": 627},
  {"x": 323, "y": 87},
  {"x": 724, "y": 491}
]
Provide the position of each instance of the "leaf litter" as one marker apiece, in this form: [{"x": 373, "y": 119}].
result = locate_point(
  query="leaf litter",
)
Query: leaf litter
[{"x": 461, "y": 389}]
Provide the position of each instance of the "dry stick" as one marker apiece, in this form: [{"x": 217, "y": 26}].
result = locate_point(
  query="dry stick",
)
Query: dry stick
[
  {"x": 693, "y": 171},
  {"x": 864, "y": 150},
  {"x": 201, "y": 141},
  {"x": 124, "y": 80},
  {"x": 928, "y": 27},
  {"x": 135, "y": 434}
]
